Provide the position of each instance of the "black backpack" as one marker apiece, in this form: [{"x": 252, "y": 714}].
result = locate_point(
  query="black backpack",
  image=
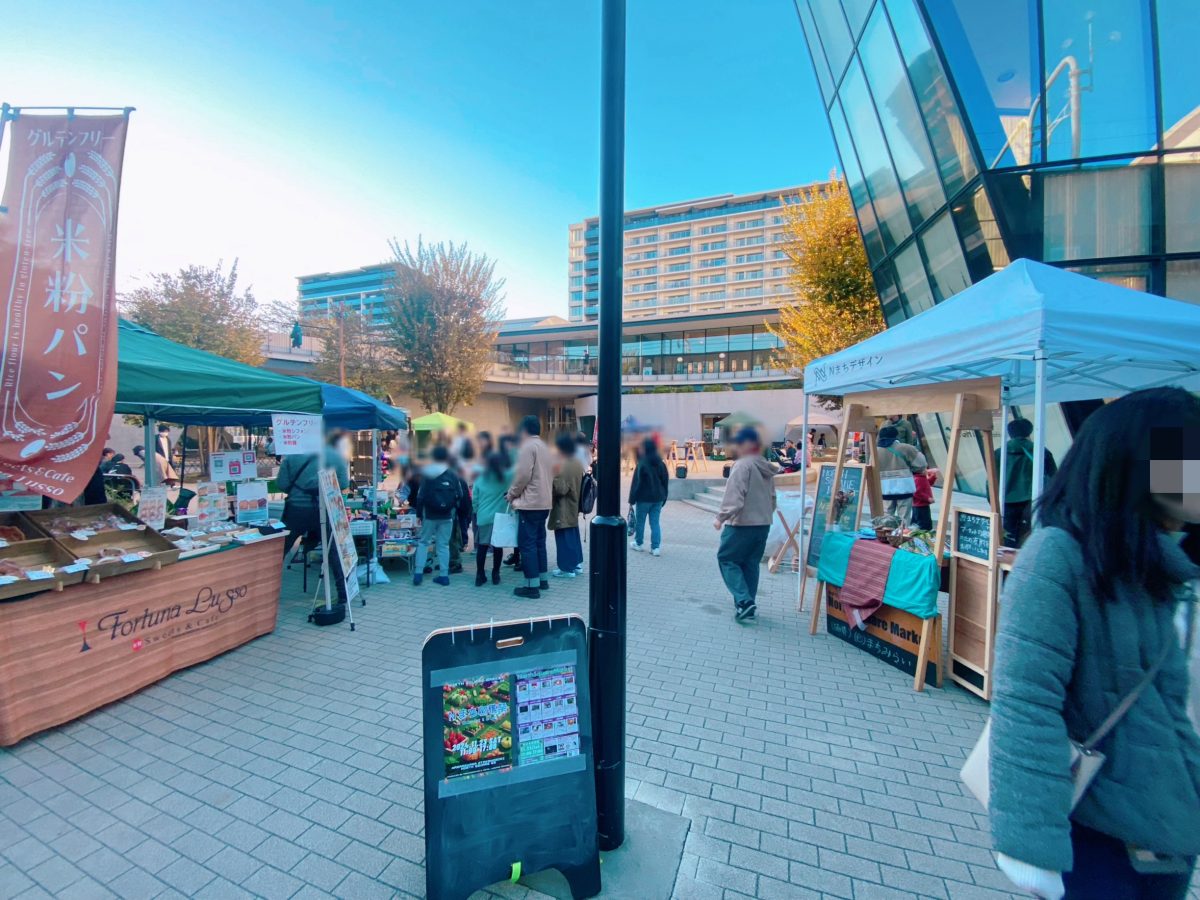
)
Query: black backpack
[
  {"x": 587, "y": 494},
  {"x": 440, "y": 496}
]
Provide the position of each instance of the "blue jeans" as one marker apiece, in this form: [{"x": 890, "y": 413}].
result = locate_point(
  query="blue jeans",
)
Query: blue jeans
[
  {"x": 531, "y": 541},
  {"x": 436, "y": 531},
  {"x": 740, "y": 558},
  {"x": 642, "y": 511},
  {"x": 568, "y": 547}
]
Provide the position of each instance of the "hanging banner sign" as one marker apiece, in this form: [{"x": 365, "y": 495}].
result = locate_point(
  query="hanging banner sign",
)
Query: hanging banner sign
[
  {"x": 58, "y": 356},
  {"x": 295, "y": 435}
]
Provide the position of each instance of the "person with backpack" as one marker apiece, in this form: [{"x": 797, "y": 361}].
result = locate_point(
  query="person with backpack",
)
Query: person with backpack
[
  {"x": 438, "y": 502},
  {"x": 487, "y": 499},
  {"x": 299, "y": 478},
  {"x": 531, "y": 496},
  {"x": 647, "y": 494},
  {"x": 898, "y": 463},
  {"x": 1017, "y": 493},
  {"x": 564, "y": 514}
]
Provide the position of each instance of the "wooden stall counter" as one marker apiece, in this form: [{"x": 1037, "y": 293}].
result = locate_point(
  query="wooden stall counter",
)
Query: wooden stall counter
[{"x": 65, "y": 653}]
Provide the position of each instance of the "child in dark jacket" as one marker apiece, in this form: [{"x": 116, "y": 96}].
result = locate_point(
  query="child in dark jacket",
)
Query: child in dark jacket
[{"x": 923, "y": 499}]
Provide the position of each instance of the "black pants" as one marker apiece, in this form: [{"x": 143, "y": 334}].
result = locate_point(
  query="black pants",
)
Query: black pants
[
  {"x": 481, "y": 555},
  {"x": 1016, "y": 522},
  {"x": 531, "y": 541},
  {"x": 304, "y": 522},
  {"x": 922, "y": 518},
  {"x": 1102, "y": 871}
]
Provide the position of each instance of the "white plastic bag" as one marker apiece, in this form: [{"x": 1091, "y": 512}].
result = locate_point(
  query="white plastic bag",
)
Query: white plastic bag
[{"x": 504, "y": 529}]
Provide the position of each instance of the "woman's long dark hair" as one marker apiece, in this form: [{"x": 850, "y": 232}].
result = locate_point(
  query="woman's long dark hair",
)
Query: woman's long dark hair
[
  {"x": 497, "y": 465},
  {"x": 1101, "y": 492}
]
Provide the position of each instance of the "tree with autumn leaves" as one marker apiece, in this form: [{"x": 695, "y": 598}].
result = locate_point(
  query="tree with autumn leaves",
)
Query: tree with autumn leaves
[{"x": 835, "y": 304}]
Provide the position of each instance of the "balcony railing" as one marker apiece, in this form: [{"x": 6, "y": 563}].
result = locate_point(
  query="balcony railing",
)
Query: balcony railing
[{"x": 583, "y": 372}]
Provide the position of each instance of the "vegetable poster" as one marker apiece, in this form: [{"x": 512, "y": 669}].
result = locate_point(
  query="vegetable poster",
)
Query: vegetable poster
[{"x": 477, "y": 725}]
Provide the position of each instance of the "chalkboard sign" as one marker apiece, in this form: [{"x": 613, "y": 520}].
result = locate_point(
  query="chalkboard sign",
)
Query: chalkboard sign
[
  {"x": 973, "y": 534},
  {"x": 509, "y": 784},
  {"x": 848, "y": 506}
]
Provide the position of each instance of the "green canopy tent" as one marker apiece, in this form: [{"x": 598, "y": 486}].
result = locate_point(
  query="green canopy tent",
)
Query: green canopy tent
[{"x": 437, "y": 422}]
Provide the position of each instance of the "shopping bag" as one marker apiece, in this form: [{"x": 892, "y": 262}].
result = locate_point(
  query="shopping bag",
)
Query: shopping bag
[{"x": 504, "y": 529}]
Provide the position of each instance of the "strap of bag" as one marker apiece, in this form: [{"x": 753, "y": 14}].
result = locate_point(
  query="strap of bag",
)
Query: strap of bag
[{"x": 1115, "y": 717}]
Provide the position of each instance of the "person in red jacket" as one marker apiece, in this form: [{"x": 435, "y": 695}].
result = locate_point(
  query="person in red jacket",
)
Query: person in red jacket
[{"x": 922, "y": 518}]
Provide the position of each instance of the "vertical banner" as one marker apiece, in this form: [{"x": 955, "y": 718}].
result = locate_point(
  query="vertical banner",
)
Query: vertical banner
[
  {"x": 58, "y": 363},
  {"x": 341, "y": 540}
]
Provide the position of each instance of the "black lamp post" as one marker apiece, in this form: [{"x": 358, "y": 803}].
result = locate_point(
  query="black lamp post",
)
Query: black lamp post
[{"x": 606, "y": 620}]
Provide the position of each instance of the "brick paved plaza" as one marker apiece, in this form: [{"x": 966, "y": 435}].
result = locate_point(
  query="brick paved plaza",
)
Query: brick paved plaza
[{"x": 291, "y": 767}]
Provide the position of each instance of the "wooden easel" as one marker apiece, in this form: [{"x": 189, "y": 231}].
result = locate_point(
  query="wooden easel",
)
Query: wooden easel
[
  {"x": 851, "y": 414},
  {"x": 974, "y": 589},
  {"x": 791, "y": 541}
]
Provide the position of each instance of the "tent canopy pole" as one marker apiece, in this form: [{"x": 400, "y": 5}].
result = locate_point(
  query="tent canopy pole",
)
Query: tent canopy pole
[{"x": 1039, "y": 424}]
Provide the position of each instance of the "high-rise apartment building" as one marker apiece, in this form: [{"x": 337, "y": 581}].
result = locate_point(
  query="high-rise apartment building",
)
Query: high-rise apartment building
[{"x": 719, "y": 254}]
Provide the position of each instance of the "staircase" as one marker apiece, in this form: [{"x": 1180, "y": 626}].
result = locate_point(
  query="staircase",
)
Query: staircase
[{"x": 708, "y": 500}]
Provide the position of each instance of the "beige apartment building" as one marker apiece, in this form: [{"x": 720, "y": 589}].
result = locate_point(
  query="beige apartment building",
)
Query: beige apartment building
[{"x": 698, "y": 257}]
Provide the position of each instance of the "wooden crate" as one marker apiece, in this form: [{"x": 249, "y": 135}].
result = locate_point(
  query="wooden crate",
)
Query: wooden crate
[
  {"x": 161, "y": 551},
  {"x": 35, "y": 554},
  {"x": 20, "y": 521}
]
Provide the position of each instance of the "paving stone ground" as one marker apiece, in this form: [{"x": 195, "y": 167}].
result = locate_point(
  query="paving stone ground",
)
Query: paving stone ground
[{"x": 291, "y": 767}]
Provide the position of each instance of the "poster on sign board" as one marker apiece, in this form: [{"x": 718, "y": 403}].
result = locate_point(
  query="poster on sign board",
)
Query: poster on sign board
[
  {"x": 296, "y": 435},
  {"x": 14, "y": 496},
  {"x": 212, "y": 504},
  {"x": 233, "y": 465},
  {"x": 252, "y": 503},
  {"x": 342, "y": 541},
  {"x": 152, "y": 507}
]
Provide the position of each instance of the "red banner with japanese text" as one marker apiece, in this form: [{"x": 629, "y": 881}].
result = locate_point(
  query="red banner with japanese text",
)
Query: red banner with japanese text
[{"x": 58, "y": 360}]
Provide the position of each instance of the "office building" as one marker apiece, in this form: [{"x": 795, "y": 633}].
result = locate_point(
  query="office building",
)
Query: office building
[
  {"x": 718, "y": 254},
  {"x": 972, "y": 133},
  {"x": 359, "y": 289}
]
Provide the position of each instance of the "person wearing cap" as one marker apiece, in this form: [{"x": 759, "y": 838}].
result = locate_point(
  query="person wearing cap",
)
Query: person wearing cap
[
  {"x": 898, "y": 464},
  {"x": 744, "y": 521}
]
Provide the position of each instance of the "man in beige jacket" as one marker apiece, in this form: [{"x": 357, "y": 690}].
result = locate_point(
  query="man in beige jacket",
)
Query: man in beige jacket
[
  {"x": 745, "y": 515},
  {"x": 531, "y": 497}
]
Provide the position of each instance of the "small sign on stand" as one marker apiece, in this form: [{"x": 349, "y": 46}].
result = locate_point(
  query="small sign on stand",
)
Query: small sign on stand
[
  {"x": 974, "y": 589},
  {"x": 509, "y": 783},
  {"x": 296, "y": 435}
]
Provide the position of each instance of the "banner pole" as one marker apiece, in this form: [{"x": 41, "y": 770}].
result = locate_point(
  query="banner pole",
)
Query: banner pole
[
  {"x": 150, "y": 451},
  {"x": 324, "y": 519}
]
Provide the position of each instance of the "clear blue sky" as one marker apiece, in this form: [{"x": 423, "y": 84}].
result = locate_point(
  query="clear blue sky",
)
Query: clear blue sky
[{"x": 299, "y": 136}]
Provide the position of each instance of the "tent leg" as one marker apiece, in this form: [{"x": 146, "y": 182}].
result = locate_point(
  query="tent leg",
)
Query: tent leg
[
  {"x": 149, "y": 452},
  {"x": 805, "y": 451},
  {"x": 1039, "y": 424},
  {"x": 324, "y": 536},
  {"x": 943, "y": 522}
]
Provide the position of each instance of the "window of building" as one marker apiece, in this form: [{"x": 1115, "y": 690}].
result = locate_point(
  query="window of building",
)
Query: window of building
[
  {"x": 677, "y": 298},
  {"x": 1112, "y": 39},
  {"x": 712, "y": 279},
  {"x": 714, "y": 263},
  {"x": 576, "y": 296},
  {"x": 778, "y": 272},
  {"x": 817, "y": 52},
  {"x": 1183, "y": 280},
  {"x": 577, "y": 265},
  {"x": 1178, "y": 38},
  {"x": 881, "y": 182},
  {"x": 679, "y": 251},
  {"x": 750, "y": 223},
  {"x": 748, "y": 258},
  {"x": 901, "y": 120},
  {"x": 942, "y": 119},
  {"x": 748, "y": 292},
  {"x": 682, "y": 233},
  {"x": 777, "y": 220},
  {"x": 835, "y": 35},
  {"x": 576, "y": 234},
  {"x": 947, "y": 268},
  {"x": 1131, "y": 275},
  {"x": 748, "y": 275},
  {"x": 712, "y": 295},
  {"x": 1182, "y": 193},
  {"x": 914, "y": 286},
  {"x": 713, "y": 245},
  {"x": 750, "y": 241},
  {"x": 714, "y": 229},
  {"x": 778, "y": 254},
  {"x": 679, "y": 267},
  {"x": 997, "y": 88},
  {"x": 864, "y": 209},
  {"x": 1095, "y": 212},
  {"x": 678, "y": 282}
]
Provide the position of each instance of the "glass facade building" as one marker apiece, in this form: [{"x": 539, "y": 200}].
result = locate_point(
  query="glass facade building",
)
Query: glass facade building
[
  {"x": 972, "y": 133},
  {"x": 975, "y": 132}
]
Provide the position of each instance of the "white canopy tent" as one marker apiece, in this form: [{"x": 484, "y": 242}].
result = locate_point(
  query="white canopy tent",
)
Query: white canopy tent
[{"x": 1050, "y": 335}]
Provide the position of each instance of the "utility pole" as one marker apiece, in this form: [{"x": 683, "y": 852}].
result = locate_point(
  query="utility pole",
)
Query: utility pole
[{"x": 606, "y": 618}]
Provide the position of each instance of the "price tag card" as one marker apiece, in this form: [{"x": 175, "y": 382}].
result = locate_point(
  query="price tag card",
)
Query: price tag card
[
  {"x": 38, "y": 575},
  {"x": 132, "y": 557},
  {"x": 81, "y": 565}
]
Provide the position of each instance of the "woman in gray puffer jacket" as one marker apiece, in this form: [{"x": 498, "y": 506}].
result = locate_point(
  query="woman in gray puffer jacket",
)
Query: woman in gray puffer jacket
[{"x": 1090, "y": 608}]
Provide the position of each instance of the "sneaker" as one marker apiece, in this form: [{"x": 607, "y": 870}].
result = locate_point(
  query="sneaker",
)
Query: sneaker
[
  {"x": 417, "y": 579},
  {"x": 429, "y": 569},
  {"x": 579, "y": 569},
  {"x": 510, "y": 559},
  {"x": 455, "y": 568},
  {"x": 442, "y": 580},
  {"x": 742, "y": 613},
  {"x": 544, "y": 584},
  {"x": 480, "y": 579},
  {"x": 527, "y": 593},
  {"x": 559, "y": 573},
  {"x": 656, "y": 552},
  {"x": 495, "y": 578},
  {"x": 635, "y": 546}
]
